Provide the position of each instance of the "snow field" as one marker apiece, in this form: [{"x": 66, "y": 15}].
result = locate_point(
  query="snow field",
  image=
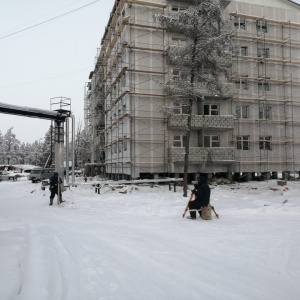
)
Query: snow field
[{"x": 138, "y": 246}]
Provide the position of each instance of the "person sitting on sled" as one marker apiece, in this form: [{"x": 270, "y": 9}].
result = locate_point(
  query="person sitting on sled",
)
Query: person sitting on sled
[{"x": 202, "y": 197}]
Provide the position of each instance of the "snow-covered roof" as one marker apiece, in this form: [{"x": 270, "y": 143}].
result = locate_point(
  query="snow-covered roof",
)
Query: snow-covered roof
[{"x": 27, "y": 167}]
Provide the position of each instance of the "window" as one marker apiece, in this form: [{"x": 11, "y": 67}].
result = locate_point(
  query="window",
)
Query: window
[
  {"x": 243, "y": 142},
  {"x": 261, "y": 26},
  {"x": 124, "y": 108},
  {"x": 123, "y": 80},
  {"x": 264, "y": 86},
  {"x": 242, "y": 83},
  {"x": 211, "y": 110},
  {"x": 211, "y": 141},
  {"x": 114, "y": 93},
  {"x": 125, "y": 145},
  {"x": 178, "y": 42},
  {"x": 265, "y": 112},
  {"x": 263, "y": 52},
  {"x": 265, "y": 143},
  {"x": 178, "y": 75},
  {"x": 176, "y": 8},
  {"x": 243, "y": 51},
  {"x": 239, "y": 23},
  {"x": 242, "y": 112},
  {"x": 120, "y": 146},
  {"x": 181, "y": 109},
  {"x": 202, "y": 74},
  {"x": 179, "y": 141}
]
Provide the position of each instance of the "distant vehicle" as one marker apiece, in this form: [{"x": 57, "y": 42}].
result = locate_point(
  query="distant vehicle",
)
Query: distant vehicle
[
  {"x": 13, "y": 176},
  {"x": 77, "y": 173},
  {"x": 37, "y": 175},
  {"x": 4, "y": 176},
  {"x": 33, "y": 172}
]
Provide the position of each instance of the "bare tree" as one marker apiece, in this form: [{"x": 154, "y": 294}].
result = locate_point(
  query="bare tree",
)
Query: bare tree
[{"x": 199, "y": 59}]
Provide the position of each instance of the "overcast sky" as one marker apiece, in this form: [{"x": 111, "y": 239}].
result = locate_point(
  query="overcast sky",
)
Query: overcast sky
[{"x": 47, "y": 61}]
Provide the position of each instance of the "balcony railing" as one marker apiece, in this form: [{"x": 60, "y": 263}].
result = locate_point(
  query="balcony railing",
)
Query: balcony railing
[
  {"x": 200, "y": 121},
  {"x": 202, "y": 155},
  {"x": 227, "y": 90},
  {"x": 179, "y": 85}
]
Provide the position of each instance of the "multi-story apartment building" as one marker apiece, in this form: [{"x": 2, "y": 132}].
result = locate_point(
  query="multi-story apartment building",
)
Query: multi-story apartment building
[
  {"x": 266, "y": 74},
  {"x": 251, "y": 128}
]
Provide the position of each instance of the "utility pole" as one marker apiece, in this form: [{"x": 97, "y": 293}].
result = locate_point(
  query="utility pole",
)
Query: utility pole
[{"x": 59, "y": 155}]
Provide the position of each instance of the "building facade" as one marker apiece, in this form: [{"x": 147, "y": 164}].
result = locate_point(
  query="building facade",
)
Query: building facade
[
  {"x": 251, "y": 129},
  {"x": 266, "y": 76}
]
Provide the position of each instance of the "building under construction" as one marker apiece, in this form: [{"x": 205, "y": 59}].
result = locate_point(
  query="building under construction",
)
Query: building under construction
[{"x": 252, "y": 130}]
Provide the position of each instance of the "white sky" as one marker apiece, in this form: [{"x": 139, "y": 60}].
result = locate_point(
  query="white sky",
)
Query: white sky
[{"x": 47, "y": 61}]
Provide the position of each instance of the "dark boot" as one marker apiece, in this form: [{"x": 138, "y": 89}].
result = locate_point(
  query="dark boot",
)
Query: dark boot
[
  {"x": 193, "y": 215},
  {"x": 51, "y": 201},
  {"x": 61, "y": 200}
]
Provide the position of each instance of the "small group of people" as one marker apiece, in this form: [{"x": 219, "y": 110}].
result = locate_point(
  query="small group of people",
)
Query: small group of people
[{"x": 199, "y": 198}]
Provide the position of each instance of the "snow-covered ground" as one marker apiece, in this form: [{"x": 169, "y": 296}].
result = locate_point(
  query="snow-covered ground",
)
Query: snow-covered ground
[{"x": 138, "y": 246}]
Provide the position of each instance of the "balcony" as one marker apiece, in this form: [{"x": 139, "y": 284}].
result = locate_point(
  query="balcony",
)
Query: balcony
[
  {"x": 227, "y": 90},
  {"x": 179, "y": 85},
  {"x": 200, "y": 121},
  {"x": 220, "y": 155}
]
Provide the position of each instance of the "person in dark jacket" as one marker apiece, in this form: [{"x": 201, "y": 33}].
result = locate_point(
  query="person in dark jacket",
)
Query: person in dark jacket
[
  {"x": 203, "y": 192},
  {"x": 194, "y": 204},
  {"x": 54, "y": 187}
]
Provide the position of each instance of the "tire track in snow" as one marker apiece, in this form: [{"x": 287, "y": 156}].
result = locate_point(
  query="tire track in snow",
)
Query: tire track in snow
[
  {"x": 67, "y": 264},
  {"x": 39, "y": 274}
]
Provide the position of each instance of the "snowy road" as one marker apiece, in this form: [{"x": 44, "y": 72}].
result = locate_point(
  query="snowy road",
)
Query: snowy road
[{"x": 137, "y": 246}]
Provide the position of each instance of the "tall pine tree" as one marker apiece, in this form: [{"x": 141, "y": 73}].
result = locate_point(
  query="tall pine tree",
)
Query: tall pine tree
[
  {"x": 199, "y": 60},
  {"x": 11, "y": 147}
]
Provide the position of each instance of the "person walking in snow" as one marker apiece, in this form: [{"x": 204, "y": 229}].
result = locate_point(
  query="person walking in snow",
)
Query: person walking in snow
[{"x": 54, "y": 180}]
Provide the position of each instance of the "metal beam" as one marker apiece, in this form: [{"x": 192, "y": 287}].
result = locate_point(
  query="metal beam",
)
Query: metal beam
[{"x": 59, "y": 115}]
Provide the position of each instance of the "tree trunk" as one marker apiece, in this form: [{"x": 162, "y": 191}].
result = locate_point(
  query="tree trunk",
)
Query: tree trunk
[
  {"x": 189, "y": 125},
  {"x": 187, "y": 149}
]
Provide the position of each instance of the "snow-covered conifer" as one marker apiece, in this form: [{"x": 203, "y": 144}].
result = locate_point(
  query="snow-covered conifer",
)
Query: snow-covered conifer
[{"x": 199, "y": 61}]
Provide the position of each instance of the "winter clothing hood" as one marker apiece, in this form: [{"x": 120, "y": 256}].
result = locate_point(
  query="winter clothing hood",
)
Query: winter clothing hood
[{"x": 202, "y": 180}]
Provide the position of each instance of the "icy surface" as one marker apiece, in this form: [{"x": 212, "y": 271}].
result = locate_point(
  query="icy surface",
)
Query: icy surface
[{"x": 136, "y": 245}]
